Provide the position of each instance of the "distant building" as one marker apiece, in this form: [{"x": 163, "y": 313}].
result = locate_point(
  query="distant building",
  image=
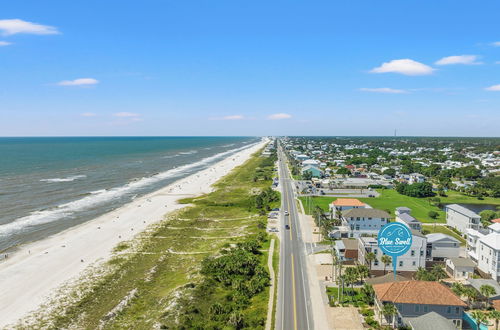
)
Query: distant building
[
  {"x": 461, "y": 218},
  {"x": 416, "y": 178},
  {"x": 315, "y": 172},
  {"x": 311, "y": 162},
  {"x": 302, "y": 157},
  {"x": 441, "y": 246}
]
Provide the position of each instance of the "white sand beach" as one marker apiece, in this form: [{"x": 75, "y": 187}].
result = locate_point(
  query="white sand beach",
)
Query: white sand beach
[{"x": 29, "y": 276}]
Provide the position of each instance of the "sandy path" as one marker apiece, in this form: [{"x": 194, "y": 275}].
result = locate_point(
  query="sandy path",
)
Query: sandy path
[{"x": 28, "y": 277}]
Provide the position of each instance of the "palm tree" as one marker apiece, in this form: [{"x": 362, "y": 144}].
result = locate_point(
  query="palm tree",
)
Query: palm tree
[
  {"x": 370, "y": 256},
  {"x": 471, "y": 294},
  {"x": 487, "y": 291},
  {"x": 458, "y": 289},
  {"x": 479, "y": 316},
  {"x": 439, "y": 272},
  {"x": 386, "y": 260},
  {"x": 363, "y": 272},
  {"x": 351, "y": 276},
  {"x": 369, "y": 293},
  {"x": 494, "y": 315},
  {"x": 390, "y": 310}
]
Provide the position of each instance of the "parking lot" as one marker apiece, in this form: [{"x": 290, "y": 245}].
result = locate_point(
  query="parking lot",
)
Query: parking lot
[{"x": 308, "y": 188}]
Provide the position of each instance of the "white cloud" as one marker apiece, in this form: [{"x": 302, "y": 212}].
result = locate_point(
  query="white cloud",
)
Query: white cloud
[
  {"x": 126, "y": 114},
  {"x": 384, "y": 90},
  {"x": 233, "y": 117},
  {"x": 458, "y": 59},
  {"x": 496, "y": 44},
  {"x": 494, "y": 88},
  {"x": 5, "y": 43},
  {"x": 78, "y": 82},
  {"x": 278, "y": 116},
  {"x": 404, "y": 66},
  {"x": 15, "y": 26},
  {"x": 88, "y": 114}
]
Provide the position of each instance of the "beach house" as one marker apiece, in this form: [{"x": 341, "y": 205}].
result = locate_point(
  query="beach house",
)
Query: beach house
[
  {"x": 461, "y": 218},
  {"x": 364, "y": 221},
  {"x": 343, "y": 204},
  {"x": 403, "y": 216},
  {"x": 407, "y": 264},
  {"x": 413, "y": 299},
  {"x": 441, "y": 246}
]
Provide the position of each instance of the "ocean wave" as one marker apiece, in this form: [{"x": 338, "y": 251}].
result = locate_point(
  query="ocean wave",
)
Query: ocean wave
[
  {"x": 171, "y": 156},
  {"x": 102, "y": 196},
  {"x": 190, "y": 152},
  {"x": 68, "y": 179}
]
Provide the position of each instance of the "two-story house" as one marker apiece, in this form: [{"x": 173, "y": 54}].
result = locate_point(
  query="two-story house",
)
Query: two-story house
[
  {"x": 441, "y": 246},
  {"x": 416, "y": 298},
  {"x": 403, "y": 216},
  {"x": 408, "y": 263},
  {"x": 361, "y": 221},
  {"x": 344, "y": 204},
  {"x": 461, "y": 218}
]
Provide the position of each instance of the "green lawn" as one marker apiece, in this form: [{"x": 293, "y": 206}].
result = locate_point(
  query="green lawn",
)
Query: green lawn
[
  {"x": 454, "y": 197},
  {"x": 388, "y": 200},
  {"x": 443, "y": 230}
]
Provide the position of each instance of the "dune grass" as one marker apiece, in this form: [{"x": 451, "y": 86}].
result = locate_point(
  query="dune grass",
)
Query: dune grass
[{"x": 166, "y": 258}]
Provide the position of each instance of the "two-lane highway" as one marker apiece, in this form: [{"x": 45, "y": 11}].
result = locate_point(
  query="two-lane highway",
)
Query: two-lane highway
[{"x": 294, "y": 304}]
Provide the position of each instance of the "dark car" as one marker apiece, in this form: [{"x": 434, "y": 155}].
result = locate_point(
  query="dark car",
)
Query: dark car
[{"x": 287, "y": 226}]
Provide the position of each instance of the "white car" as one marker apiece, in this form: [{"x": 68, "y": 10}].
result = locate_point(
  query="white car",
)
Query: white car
[{"x": 286, "y": 213}]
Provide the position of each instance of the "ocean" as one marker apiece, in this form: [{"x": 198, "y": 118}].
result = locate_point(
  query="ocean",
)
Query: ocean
[{"x": 50, "y": 184}]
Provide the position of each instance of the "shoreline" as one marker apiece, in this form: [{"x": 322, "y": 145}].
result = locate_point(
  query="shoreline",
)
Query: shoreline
[{"x": 38, "y": 269}]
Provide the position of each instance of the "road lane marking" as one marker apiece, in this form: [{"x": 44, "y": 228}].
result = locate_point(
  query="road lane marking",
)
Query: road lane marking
[{"x": 294, "y": 299}]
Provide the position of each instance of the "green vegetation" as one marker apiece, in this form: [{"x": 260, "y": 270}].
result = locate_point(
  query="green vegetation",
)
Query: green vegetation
[
  {"x": 351, "y": 296},
  {"x": 428, "y": 229},
  {"x": 224, "y": 297},
  {"x": 358, "y": 297},
  {"x": 421, "y": 189},
  {"x": 435, "y": 274},
  {"x": 177, "y": 267}
]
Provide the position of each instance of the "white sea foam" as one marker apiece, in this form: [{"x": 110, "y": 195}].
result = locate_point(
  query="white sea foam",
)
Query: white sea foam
[
  {"x": 68, "y": 179},
  {"x": 102, "y": 196},
  {"x": 190, "y": 152}
]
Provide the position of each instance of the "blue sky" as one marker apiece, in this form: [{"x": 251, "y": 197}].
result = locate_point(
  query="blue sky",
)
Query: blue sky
[{"x": 249, "y": 68}]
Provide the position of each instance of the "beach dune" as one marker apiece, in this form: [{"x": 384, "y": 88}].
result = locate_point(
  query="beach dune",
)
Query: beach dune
[{"x": 34, "y": 272}]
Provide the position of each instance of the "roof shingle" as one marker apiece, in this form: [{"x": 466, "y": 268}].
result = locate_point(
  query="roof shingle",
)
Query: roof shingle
[
  {"x": 417, "y": 292},
  {"x": 348, "y": 202}
]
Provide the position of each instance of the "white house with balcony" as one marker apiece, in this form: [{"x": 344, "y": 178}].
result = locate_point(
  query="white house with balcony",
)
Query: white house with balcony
[
  {"x": 364, "y": 221},
  {"x": 461, "y": 218},
  {"x": 488, "y": 252},
  {"x": 408, "y": 262}
]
